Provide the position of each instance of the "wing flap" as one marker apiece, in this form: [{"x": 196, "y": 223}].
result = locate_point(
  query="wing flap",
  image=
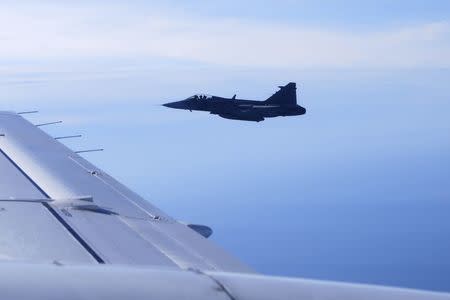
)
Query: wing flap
[{"x": 30, "y": 233}]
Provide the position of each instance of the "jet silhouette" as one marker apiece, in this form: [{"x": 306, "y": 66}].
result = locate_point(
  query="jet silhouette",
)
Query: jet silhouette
[{"x": 282, "y": 103}]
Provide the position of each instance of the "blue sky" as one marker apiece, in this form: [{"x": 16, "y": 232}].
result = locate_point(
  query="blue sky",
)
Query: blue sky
[
  {"x": 328, "y": 12},
  {"x": 356, "y": 190}
]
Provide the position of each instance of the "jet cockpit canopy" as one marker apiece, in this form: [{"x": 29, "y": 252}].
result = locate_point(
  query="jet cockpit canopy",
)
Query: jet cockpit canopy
[{"x": 200, "y": 97}]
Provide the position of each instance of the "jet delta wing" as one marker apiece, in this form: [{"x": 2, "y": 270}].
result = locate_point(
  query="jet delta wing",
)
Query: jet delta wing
[{"x": 71, "y": 231}]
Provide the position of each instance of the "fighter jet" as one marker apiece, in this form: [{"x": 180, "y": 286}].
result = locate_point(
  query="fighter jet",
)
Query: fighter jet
[{"x": 282, "y": 103}]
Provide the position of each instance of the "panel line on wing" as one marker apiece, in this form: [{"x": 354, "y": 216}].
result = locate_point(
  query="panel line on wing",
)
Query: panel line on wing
[
  {"x": 54, "y": 213},
  {"x": 176, "y": 242},
  {"x": 97, "y": 174}
]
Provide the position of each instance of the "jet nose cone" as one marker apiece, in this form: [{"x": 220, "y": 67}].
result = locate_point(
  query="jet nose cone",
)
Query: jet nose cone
[
  {"x": 173, "y": 105},
  {"x": 184, "y": 104}
]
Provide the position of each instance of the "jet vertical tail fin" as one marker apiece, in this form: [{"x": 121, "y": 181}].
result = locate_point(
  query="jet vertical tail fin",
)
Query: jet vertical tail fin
[{"x": 287, "y": 95}]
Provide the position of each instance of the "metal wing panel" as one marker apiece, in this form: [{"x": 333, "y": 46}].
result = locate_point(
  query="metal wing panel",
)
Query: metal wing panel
[
  {"x": 250, "y": 286},
  {"x": 178, "y": 242},
  {"x": 172, "y": 238},
  {"x": 28, "y": 231},
  {"x": 13, "y": 184},
  {"x": 50, "y": 282},
  {"x": 115, "y": 242},
  {"x": 113, "y": 224}
]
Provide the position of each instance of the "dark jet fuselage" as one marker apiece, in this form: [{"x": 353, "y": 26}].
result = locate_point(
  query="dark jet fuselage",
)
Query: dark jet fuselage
[{"x": 283, "y": 103}]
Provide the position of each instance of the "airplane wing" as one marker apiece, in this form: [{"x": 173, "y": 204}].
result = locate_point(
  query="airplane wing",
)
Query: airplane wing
[
  {"x": 225, "y": 107},
  {"x": 56, "y": 206},
  {"x": 71, "y": 231},
  {"x": 230, "y": 107}
]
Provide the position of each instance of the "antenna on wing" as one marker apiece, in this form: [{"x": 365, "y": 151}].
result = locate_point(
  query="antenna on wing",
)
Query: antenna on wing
[
  {"x": 68, "y": 137},
  {"x": 28, "y": 112},
  {"x": 49, "y": 123},
  {"x": 90, "y": 150}
]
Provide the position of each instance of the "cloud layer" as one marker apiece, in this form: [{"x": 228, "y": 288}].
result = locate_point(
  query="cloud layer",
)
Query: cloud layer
[{"x": 35, "y": 33}]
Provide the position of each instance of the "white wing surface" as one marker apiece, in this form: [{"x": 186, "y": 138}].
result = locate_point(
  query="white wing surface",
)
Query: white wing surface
[{"x": 56, "y": 206}]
